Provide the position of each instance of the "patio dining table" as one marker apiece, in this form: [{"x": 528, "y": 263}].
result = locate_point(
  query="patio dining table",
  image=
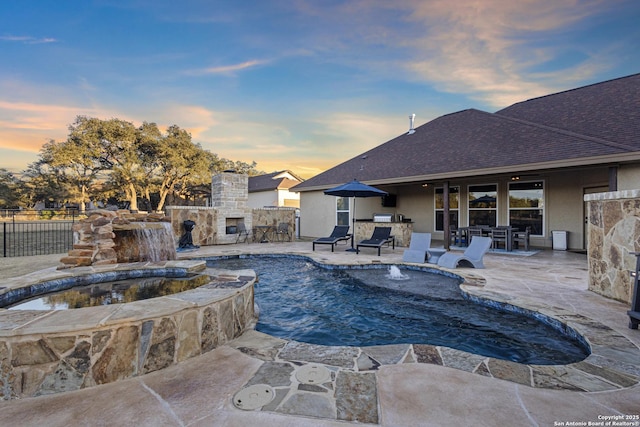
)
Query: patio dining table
[
  {"x": 261, "y": 233},
  {"x": 463, "y": 234}
]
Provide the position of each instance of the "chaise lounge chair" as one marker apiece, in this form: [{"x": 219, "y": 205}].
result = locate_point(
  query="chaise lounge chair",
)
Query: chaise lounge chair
[
  {"x": 380, "y": 236},
  {"x": 340, "y": 233},
  {"x": 472, "y": 256},
  {"x": 418, "y": 248}
]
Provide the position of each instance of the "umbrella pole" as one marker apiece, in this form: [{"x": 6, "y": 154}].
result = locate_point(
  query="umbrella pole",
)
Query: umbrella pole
[{"x": 353, "y": 222}]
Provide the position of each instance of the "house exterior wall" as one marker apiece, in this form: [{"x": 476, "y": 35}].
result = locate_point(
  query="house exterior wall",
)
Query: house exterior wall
[
  {"x": 317, "y": 214},
  {"x": 288, "y": 198},
  {"x": 628, "y": 177},
  {"x": 260, "y": 199},
  {"x": 564, "y": 206},
  {"x": 282, "y": 198}
]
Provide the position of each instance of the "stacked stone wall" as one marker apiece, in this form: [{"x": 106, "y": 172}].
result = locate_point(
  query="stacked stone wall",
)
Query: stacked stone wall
[
  {"x": 210, "y": 222},
  {"x": 614, "y": 232},
  {"x": 45, "y": 352},
  {"x": 94, "y": 236},
  {"x": 274, "y": 217},
  {"x": 204, "y": 232}
]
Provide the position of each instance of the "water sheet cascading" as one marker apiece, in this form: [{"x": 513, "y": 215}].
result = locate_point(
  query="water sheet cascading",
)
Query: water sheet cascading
[{"x": 144, "y": 241}]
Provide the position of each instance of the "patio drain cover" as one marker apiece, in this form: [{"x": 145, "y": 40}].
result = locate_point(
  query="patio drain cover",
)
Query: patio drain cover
[
  {"x": 253, "y": 397},
  {"x": 313, "y": 374}
]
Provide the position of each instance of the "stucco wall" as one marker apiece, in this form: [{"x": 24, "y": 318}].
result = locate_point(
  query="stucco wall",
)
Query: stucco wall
[
  {"x": 628, "y": 177},
  {"x": 614, "y": 231},
  {"x": 283, "y": 198},
  {"x": 564, "y": 205},
  {"x": 288, "y": 198},
  {"x": 319, "y": 215},
  {"x": 260, "y": 199}
]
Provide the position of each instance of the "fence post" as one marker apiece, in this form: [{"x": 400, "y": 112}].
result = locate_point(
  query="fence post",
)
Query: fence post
[{"x": 4, "y": 238}]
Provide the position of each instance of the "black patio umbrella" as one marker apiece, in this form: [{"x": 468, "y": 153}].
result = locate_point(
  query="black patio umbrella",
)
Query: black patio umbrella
[{"x": 355, "y": 189}]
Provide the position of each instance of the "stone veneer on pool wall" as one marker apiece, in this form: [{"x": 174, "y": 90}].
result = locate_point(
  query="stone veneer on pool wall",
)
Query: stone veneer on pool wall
[
  {"x": 614, "y": 232},
  {"x": 46, "y": 351},
  {"x": 104, "y": 237}
]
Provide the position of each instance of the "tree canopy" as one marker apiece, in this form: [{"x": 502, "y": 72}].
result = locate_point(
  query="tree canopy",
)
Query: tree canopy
[{"x": 114, "y": 159}]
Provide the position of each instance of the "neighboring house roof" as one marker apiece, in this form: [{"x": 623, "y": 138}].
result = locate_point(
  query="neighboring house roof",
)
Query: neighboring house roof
[
  {"x": 591, "y": 125},
  {"x": 273, "y": 181}
]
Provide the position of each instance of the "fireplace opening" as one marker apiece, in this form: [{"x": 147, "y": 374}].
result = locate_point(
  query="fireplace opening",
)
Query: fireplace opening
[{"x": 231, "y": 225}]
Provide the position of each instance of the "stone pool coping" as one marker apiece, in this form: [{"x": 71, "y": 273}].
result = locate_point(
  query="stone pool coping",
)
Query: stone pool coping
[{"x": 50, "y": 351}]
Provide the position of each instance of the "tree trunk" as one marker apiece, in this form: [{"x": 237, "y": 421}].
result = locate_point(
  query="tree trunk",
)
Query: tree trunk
[
  {"x": 133, "y": 197},
  {"x": 83, "y": 192}
]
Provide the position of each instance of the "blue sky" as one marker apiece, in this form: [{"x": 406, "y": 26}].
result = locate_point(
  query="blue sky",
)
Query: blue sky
[{"x": 293, "y": 84}]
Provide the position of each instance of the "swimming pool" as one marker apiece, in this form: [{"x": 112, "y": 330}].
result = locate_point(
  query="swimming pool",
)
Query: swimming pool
[{"x": 303, "y": 301}]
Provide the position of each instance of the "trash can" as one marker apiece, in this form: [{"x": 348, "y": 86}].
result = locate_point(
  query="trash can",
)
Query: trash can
[{"x": 559, "y": 239}]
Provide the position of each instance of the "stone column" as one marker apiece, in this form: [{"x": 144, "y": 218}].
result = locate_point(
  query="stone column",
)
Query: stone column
[{"x": 613, "y": 233}]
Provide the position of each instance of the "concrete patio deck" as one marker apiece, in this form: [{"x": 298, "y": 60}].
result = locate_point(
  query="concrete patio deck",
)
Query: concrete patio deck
[{"x": 199, "y": 392}]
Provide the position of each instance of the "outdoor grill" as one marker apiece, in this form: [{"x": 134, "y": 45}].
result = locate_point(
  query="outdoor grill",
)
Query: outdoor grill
[{"x": 382, "y": 217}]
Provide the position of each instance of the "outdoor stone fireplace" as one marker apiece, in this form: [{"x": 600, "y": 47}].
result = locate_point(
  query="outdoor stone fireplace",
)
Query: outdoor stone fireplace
[
  {"x": 217, "y": 224},
  {"x": 229, "y": 197}
]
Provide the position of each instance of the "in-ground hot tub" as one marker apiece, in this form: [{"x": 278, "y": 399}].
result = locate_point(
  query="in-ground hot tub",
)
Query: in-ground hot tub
[{"x": 45, "y": 352}]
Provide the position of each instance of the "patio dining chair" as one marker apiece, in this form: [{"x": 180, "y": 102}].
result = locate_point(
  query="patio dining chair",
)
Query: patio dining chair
[
  {"x": 474, "y": 231},
  {"x": 500, "y": 236},
  {"x": 282, "y": 231},
  {"x": 521, "y": 237},
  {"x": 242, "y": 231}
]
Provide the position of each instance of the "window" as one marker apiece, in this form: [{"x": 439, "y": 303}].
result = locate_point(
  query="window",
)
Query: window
[
  {"x": 483, "y": 206},
  {"x": 342, "y": 210},
  {"x": 453, "y": 207},
  {"x": 526, "y": 206}
]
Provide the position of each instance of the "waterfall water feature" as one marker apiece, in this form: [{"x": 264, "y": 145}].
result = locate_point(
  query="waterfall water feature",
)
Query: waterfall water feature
[
  {"x": 145, "y": 241},
  {"x": 158, "y": 242}
]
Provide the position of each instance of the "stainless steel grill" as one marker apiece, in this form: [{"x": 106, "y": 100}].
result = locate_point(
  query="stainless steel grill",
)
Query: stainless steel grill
[{"x": 382, "y": 217}]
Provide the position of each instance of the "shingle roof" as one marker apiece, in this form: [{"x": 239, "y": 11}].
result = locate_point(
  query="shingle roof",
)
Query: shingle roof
[
  {"x": 609, "y": 110},
  {"x": 269, "y": 182},
  {"x": 473, "y": 142}
]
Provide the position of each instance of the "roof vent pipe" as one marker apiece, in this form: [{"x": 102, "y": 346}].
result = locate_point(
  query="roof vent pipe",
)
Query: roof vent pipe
[{"x": 411, "y": 119}]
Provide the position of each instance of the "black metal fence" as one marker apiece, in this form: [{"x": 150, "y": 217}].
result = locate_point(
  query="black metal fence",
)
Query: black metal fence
[{"x": 25, "y": 233}]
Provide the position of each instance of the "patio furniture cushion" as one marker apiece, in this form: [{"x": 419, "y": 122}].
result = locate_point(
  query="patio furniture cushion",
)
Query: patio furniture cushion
[
  {"x": 381, "y": 236},
  {"x": 340, "y": 233}
]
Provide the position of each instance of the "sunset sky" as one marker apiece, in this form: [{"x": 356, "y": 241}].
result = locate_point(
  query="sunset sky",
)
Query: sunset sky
[{"x": 293, "y": 84}]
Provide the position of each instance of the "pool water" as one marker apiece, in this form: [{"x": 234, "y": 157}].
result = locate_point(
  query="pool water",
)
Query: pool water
[
  {"x": 115, "y": 292},
  {"x": 302, "y": 301}
]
